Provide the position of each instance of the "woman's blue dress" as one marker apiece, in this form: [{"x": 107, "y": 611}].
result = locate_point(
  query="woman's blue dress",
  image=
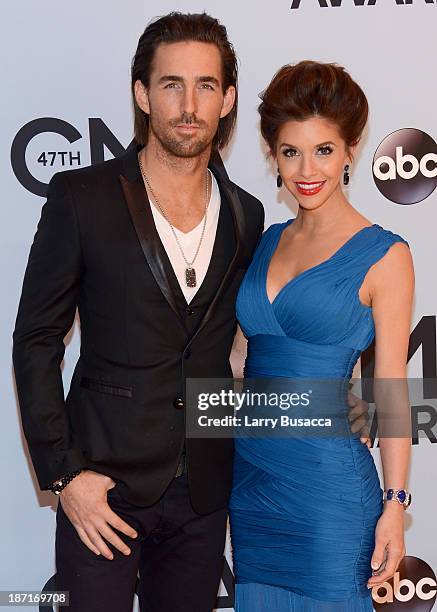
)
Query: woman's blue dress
[{"x": 304, "y": 509}]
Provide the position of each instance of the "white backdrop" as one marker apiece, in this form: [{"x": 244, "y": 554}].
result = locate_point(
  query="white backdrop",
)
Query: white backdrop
[{"x": 71, "y": 62}]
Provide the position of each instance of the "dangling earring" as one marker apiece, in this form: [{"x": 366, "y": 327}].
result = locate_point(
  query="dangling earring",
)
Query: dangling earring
[
  {"x": 279, "y": 180},
  {"x": 346, "y": 175}
]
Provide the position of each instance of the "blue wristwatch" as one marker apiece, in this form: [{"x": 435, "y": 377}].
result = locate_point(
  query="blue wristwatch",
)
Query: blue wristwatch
[{"x": 402, "y": 496}]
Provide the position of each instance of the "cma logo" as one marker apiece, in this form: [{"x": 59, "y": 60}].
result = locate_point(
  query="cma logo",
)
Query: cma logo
[
  {"x": 29, "y": 156},
  {"x": 333, "y": 3},
  {"x": 413, "y": 587},
  {"x": 405, "y": 166},
  {"x": 423, "y": 339}
]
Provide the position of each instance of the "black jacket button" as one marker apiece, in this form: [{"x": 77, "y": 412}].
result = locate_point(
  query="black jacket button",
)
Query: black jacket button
[
  {"x": 187, "y": 353},
  {"x": 179, "y": 403},
  {"x": 189, "y": 311}
]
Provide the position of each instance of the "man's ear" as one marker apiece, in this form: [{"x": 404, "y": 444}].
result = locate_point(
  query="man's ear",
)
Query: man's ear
[
  {"x": 228, "y": 101},
  {"x": 142, "y": 96}
]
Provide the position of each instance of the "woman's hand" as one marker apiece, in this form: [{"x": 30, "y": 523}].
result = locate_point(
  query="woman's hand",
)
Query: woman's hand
[{"x": 389, "y": 544}]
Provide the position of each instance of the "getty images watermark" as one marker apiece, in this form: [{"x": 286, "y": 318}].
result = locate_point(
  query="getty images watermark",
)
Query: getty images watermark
[
  {"x": 240, "y": 401},
  {"x": 309, "y": 408}
]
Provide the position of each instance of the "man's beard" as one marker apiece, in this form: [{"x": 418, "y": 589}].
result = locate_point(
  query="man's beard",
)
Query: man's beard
[{"x": 186, "y": 146}]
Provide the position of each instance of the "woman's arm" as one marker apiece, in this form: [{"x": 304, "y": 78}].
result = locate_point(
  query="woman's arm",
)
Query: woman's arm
[{"x": 391, "y": 283}]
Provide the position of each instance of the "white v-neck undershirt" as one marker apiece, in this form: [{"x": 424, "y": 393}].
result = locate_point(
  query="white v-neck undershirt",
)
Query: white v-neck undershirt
[{"x": 189, "y": 242}]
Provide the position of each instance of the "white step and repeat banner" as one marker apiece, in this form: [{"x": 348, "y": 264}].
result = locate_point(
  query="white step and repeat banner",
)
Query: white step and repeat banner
[{"x": 66, "y": 103}]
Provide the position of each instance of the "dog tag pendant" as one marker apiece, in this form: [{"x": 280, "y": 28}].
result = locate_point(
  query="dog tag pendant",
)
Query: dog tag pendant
[{"x": 190, "y": 277}]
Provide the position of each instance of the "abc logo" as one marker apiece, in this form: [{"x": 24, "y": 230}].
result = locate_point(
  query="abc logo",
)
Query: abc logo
[
  {"x": 412, "y": 589},
  {"x": 405, "y": 166}
]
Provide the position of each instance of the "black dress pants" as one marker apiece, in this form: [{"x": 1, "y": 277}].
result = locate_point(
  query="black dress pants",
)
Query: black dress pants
[{"x": 178, "y": 556}]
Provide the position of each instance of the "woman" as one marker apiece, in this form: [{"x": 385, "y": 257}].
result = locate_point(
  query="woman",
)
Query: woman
[{"x": 309, "y": 521}]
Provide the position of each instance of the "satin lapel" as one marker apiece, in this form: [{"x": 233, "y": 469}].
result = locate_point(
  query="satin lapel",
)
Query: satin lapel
[
  {"x": 230, "y": 193},
  {"x": 142, "y": 218}
]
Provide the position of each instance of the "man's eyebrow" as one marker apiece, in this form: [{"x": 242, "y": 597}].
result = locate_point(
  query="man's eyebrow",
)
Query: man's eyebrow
[
  {"x": 178, "y": 79},
  {"x": 209, "y": 79},
  {"x": 170, "y": 77}
]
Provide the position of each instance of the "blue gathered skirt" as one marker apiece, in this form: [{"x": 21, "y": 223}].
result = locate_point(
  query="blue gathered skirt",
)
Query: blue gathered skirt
[{"x": 265, "y": 598}]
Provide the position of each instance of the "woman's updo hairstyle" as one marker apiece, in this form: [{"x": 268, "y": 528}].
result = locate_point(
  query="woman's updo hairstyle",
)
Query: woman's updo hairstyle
[{"x": 308, "y": 89}]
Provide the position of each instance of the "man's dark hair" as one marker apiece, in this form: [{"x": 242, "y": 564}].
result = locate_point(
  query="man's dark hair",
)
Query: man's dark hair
[{"x": 181, "y": 27}]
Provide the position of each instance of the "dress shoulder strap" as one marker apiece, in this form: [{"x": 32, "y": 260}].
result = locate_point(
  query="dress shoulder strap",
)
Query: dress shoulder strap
[{"x": 371, "y": 246}]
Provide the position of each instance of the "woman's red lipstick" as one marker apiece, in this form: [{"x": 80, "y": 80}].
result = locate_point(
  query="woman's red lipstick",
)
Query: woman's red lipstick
[{"x": 310, "y": 189}]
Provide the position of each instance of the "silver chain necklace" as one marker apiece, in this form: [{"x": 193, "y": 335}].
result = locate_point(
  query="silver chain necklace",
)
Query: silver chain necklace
[{"x": 190, "y": 272}]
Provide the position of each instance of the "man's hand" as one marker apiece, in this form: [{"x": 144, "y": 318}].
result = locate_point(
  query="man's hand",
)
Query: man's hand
[
  {"x": 359, "y": 418},
  {"x": 84, "y": 501}
]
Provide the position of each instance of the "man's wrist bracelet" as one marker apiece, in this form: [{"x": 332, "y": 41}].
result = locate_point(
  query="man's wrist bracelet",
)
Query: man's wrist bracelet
[{"x": 60, "y": 484}]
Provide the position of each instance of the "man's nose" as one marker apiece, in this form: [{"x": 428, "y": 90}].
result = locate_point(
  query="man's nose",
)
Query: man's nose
[{"x": 189, "y": 101}]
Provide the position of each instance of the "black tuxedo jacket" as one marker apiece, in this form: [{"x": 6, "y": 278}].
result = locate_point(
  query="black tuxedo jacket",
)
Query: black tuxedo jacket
[{"x": 97, "y": 249}]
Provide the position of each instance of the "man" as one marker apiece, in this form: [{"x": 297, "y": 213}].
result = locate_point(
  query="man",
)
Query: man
[{"x": 151, "y": 248}]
